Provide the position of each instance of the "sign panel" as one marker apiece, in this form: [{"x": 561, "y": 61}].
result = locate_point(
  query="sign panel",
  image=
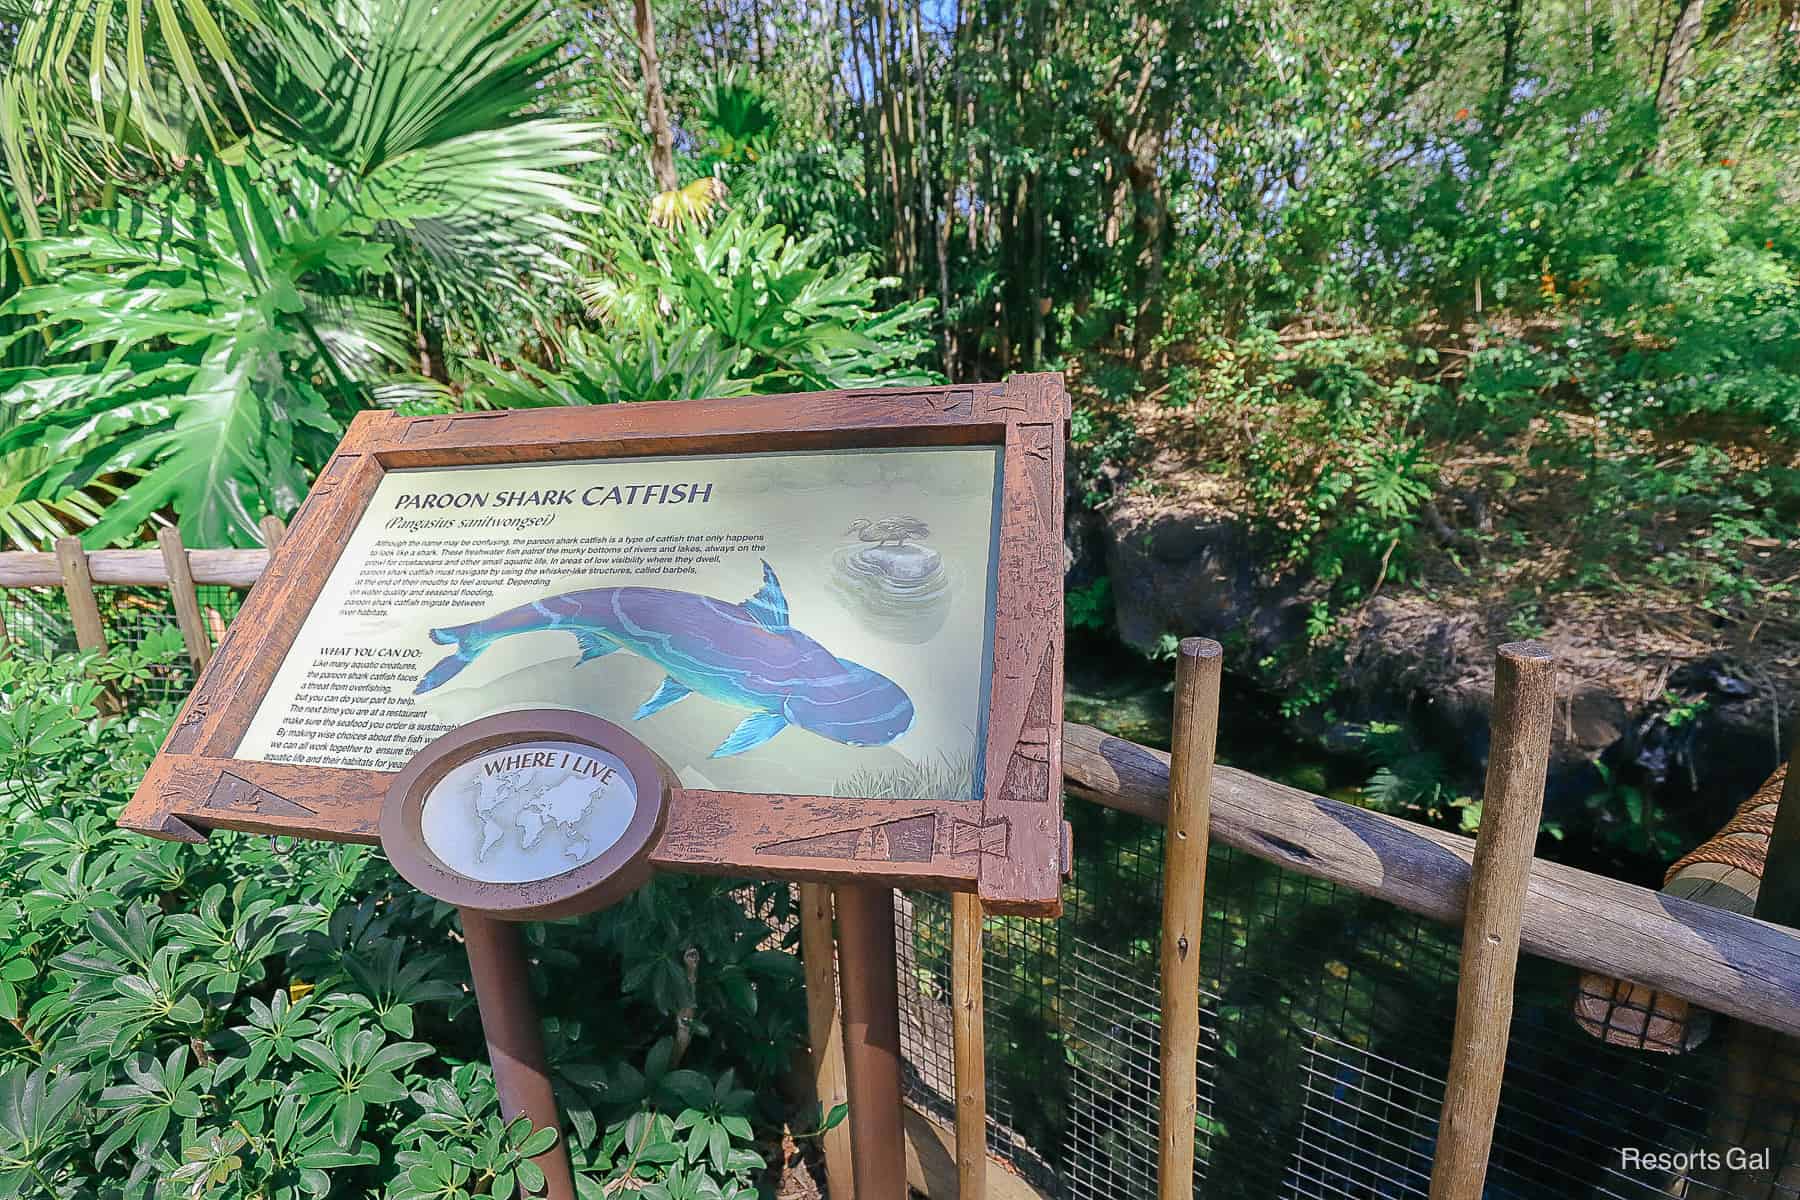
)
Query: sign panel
[
  {"x": 809, "y": 622},
  {"x": 835, "y": 619}
]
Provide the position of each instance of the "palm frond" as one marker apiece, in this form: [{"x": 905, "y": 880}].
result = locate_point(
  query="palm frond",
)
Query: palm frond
[
  {"x": 440, "y": 115},
  {"x": 93, "y": 85},
  {"x": 32, "y": 522}
]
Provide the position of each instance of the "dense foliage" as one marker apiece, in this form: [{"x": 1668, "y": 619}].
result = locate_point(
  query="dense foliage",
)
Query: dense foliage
[
  {"x": 1500, "y": 303},
  {"x": 1418, "y": 288},
  {"x": 259, "y": 1017}
]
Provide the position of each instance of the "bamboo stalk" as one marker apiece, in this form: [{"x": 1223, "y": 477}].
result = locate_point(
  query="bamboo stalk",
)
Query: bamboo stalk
[
  {"x": 1197, "y": 669},
  {"x": 1511, "y": 806},
  {"x": 819, "y": 953},
  {"x": 968, "y": 1032},
  {"x": 187, "y": 603}
]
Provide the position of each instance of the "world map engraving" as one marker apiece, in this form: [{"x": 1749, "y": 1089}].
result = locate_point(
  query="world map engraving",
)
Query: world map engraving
[
  {"x": 526, "y": 805},
  {"x": 517, "y": 817}
]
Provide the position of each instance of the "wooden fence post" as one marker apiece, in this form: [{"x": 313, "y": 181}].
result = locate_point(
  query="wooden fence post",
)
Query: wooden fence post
[
  {"x": 78, "y": 589},
  {"x": 1198, "y": 665},
  {"x": 84, "y": 610},
  {"x": 1511, "y": 807},
  {"x": 187, "y": 601},
  {"x": 968, "y": 1035},
  {"x": 818, "y": 952}
]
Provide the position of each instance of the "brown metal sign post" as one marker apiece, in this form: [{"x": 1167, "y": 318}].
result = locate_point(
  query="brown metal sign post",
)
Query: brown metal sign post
[
  {"x": 553, "y": 769},
  {"x": 515, "y": 1040},
  {"x": 832, "y": 623}
]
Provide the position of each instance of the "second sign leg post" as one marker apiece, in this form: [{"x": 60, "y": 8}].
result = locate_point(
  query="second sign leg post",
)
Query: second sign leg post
[
  {"x": 515, "y": 1040},
  {"x": 865, "y": 914}
]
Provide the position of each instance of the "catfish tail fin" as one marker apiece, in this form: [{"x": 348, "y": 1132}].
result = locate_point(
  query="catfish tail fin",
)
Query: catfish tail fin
[{"x": 467, "y": 647}]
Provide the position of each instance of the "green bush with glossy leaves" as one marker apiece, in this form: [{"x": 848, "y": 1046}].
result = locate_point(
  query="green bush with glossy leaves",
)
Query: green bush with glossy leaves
[{"x": 285, "y": 1019}]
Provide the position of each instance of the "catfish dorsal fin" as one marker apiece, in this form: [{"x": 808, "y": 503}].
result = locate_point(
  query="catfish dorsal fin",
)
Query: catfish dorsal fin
[{"x": 768, "y": 607}]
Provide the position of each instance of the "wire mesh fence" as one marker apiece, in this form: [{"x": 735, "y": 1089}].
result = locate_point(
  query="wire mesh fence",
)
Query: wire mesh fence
[
  {"x": 1326, "y": 1022},
  {"x": 36, "y": 620}
]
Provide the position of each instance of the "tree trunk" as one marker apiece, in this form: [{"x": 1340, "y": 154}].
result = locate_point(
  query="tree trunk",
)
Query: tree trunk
[
  {"x": 1152, "y": 224},
  {"x": 656, "y": 110},
  {"x": 1678, "y": 59},
  {"x": 1510, "y": 23}
]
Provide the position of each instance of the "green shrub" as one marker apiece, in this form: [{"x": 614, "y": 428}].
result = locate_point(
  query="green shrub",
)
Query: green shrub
[{"x": 266, "y": 1017}]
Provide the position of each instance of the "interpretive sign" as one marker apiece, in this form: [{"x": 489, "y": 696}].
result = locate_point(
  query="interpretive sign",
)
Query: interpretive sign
[
  {"x": 726, "y": 608},
  {"x": 527, "y": 815},
  {"x": 833, "y": 618}
]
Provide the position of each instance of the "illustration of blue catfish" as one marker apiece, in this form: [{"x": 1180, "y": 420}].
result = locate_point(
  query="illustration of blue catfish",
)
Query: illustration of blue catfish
[{"x": 745, "y": 655}]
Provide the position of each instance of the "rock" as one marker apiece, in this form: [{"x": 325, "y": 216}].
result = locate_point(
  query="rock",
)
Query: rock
[
  {"x": 1084, "y": 559},
  {"x": 901, "y": 591},
  {"x": 1184, "y": 573},
  {"x": 1712, "y": 731},
  {"x": 1430, "y": 663}
]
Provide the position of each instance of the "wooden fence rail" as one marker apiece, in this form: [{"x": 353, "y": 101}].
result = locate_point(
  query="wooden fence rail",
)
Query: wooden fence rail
[
  {"x": 1716, "y": 959},
  {"x": 135, "y": 568}
]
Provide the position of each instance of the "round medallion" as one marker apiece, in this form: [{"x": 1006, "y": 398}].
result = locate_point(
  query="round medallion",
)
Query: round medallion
[{"x": 527, "y": 815}]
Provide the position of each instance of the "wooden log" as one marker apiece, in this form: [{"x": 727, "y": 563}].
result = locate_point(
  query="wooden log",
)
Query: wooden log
[
  {"x": 818, "y": 952},
  {"x": 187, "y": 604},
  {"x": 1729, "y": 963},
  {"x": 135, "y": 568},
  {"x": 968, "y": 1037},
  {"x": 273, "y": 530},
  {"x": 1512, "y": 805},
  {"x": 78, "y": 588},
  {"x": 1198, "y": 665}
]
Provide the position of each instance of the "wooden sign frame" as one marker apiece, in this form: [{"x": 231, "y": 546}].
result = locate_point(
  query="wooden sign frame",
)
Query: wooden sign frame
[{"x": 1009, "y": 847}]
